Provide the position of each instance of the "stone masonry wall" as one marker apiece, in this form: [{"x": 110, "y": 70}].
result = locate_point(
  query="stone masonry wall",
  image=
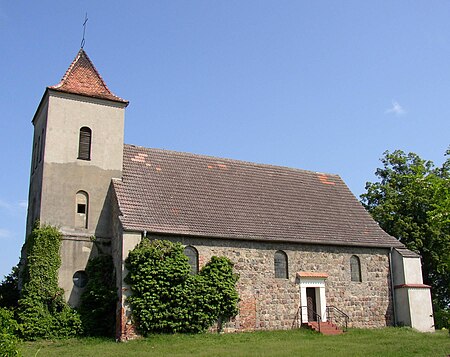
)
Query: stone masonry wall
[{"x": 270, "y": 303}]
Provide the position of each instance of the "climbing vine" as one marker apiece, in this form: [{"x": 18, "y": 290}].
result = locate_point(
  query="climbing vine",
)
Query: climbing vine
[
  {"x": 167, "y": 298},
  {"x": 42, "y": 311},
  {"x": 8, "y": 329},
  {"x": 98, "y": 301},
  {"x": 218, "y": 274}
]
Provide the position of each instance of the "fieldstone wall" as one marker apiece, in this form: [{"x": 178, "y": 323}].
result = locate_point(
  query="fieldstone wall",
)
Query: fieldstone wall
[{"x": 270, "y": 303}]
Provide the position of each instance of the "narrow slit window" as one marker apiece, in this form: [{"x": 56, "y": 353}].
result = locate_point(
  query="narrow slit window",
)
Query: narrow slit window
[
  {"x": 281, "y": 265},
  {"x": 355, "y": 268},
  {"x": 41, "y": 151},
  {"x": 84, "y": 145},
  {"x": 35, "y": 156},
  {"x": 192, "y": 255},
  {"x": 38, "y": 154}
]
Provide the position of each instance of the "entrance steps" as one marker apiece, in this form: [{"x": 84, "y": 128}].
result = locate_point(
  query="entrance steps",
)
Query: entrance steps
[{"x": 326, "y": 328}]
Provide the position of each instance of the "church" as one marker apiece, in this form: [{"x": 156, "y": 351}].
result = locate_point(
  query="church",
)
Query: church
[{"x": 304, "y": 247}]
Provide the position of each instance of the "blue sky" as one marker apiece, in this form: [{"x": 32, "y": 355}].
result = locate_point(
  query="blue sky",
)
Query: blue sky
[{"x": 319, "y": 85}]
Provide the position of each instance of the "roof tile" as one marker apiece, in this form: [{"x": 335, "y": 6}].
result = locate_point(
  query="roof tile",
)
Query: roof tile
[
  {"x": 170, "y": 192},
  {"x": 83, "y": 78}
]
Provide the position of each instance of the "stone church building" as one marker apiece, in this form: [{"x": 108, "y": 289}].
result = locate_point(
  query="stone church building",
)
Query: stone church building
[{"x": 304, "y": 247}]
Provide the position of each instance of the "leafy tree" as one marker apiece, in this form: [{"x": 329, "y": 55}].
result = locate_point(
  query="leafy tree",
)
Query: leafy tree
[
  {"x": 167, "y": 298},
  {"x": 411, "y": 202},
  {"x": 98, "y": 301},
  {"x": 9, "y": 290},
  {"x": 42, "y": 311}
]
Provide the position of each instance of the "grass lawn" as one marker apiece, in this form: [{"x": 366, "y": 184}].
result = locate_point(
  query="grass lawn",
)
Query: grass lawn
[{"x": 382, "y": 342}]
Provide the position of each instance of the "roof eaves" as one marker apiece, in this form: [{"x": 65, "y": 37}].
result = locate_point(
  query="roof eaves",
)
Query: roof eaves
[
  {"x": 118, "y": 100},
  {"x": 262, "y": 239}
]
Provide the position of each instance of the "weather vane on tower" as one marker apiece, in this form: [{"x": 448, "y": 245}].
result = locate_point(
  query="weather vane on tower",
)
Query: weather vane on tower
[{"x": 84, "y": 30}]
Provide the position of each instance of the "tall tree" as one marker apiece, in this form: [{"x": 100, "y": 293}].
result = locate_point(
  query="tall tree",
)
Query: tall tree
[{"x": 411, "y": 202}]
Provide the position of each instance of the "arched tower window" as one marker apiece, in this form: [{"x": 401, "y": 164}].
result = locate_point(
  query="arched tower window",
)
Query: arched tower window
[
  {"x": 281, "y": 265},
  {"x": 84, "y": 145},
  {"x": 355, "y": 268},
  {"x": 192, "y": 255},
  {"x": 82, "y": 209}
]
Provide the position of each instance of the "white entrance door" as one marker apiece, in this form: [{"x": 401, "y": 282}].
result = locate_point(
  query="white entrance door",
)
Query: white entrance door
[{"x": 312, "y": 296}]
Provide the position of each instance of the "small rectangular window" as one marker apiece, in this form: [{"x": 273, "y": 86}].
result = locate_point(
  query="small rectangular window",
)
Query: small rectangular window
[{"x": 81, "y": 208}]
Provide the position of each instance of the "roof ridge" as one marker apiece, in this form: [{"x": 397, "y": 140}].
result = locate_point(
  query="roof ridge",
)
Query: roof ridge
[
  {"x": 237, "y": 161},
  {"x": 83, "y": 78}
]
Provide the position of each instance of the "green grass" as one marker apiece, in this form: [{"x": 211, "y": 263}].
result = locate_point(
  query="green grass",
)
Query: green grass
[{"x": 383, "y": 342}]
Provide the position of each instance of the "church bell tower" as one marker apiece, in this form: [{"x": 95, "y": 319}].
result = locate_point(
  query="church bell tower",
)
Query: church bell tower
[{"x": 77, "y": 150}]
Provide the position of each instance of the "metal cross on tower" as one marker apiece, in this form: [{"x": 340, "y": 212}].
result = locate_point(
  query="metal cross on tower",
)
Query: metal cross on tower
[{"x": 84, "y": 30}]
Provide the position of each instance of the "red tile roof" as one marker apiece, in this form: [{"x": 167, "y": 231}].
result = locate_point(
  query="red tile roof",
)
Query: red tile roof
[
  {"x": 185, "y": 194},
  {"x": 82, "y": 78}
]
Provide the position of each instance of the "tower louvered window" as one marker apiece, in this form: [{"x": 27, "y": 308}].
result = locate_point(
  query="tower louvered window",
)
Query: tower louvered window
[{"x": 84, "y": 146}]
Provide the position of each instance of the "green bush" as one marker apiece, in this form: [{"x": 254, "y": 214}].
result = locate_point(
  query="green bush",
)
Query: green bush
[
  {"x": 167, "y": 298},
  {"x": 42, "y": 311},
  {"x": 98, "y": 301},
  {"x": 8, "y": 329},
  {"x": 441, "y": 316}
]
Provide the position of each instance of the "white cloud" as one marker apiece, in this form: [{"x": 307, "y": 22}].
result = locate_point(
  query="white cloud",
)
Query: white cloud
[
  {"x": 13, "y": 208},
  {"x": 4, "y": 233},
  {"x": 5, "y": 205},
  {"x": 396, "y": 109},
  {"x": 23, "y": 204}
]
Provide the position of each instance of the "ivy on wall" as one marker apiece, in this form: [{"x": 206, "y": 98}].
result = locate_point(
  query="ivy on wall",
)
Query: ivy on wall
[
  {"x": 8, "y": 329},
  {"x": 168, "y": 299},
  {"x": 218, "y": 274},
  {"x": 42, "y": 311},
  {"x": 98, "y": 301}
]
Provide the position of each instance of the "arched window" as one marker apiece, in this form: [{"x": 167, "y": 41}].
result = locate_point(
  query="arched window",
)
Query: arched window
[
  {"x": 82, "y": 209},
  {"x": 192, "y": 255},
  {"x": 84, "y": 145},
  {"x": 355, "y": 268},
  {"x": 281, "y": 265}
]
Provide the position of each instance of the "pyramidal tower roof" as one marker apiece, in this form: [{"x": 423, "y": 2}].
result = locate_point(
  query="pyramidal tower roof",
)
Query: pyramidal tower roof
[{"x": 82, "y": 78}]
